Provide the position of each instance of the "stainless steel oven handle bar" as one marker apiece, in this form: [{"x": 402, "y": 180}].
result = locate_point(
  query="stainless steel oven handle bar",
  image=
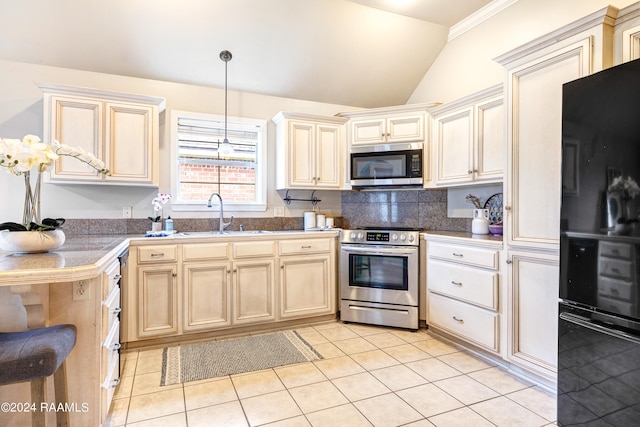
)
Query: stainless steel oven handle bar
[{"x": 375, "y": 250}]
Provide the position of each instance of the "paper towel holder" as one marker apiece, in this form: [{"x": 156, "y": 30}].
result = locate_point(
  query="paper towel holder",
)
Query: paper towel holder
[{"x": 313, "y": 199}]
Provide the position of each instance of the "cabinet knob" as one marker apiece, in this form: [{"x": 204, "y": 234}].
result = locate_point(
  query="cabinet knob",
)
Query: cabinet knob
[
  {"x": 174, "y": 274},
  {"x": 509, "y": 261},
  {"x": 469, "y": 171},
  {"x": 507, "y": 208},
  {"x": 235, "y": 270}
]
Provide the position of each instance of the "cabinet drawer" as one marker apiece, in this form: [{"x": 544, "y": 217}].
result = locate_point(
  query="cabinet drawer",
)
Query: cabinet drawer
[
  {"x": 198, "y": 251},
  {"x": 466, "y": 321},
  {"x": 111, "y": 307},
  {"x": 613, "y": 288},
  {"x": 479, "y": 287},
  {"x": 157, "y": 253},
  {"x": 615, "y": 268},
  {"x": 253, "y": 249},
  {"x": 113, "y": 277},
  {"x": 487, "y": 258},
  {"x": 615, "y": 250},
  {"x": 300, "y": 246}
]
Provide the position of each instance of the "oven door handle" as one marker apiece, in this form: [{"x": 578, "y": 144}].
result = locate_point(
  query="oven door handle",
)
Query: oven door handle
[
  {"x": 585, "y": 323},
  {"x": 374, "y": 251}
]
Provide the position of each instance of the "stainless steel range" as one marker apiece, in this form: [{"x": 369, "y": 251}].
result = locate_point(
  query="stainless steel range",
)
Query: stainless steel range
[{"x": 379, "y": 271}]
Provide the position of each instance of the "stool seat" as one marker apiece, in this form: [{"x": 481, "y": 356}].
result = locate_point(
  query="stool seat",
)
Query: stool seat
[{"x": 35, "y": 353}]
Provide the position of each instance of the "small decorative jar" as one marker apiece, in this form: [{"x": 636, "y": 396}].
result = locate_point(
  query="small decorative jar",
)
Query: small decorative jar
[
  {"x": 480, "y": 222},
  {"x": 156, "y": 226}
]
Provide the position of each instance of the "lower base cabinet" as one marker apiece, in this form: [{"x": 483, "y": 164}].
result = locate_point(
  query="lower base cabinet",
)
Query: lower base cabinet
[
  {"x": 533, "y": 312},
  {"x": 224, "y": 282}
]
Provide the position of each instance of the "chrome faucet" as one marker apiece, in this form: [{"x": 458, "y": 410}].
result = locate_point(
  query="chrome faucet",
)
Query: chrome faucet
[{"x": 223, "y": 225}]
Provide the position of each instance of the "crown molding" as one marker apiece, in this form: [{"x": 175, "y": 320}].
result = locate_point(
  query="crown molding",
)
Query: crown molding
[{"x": 478, "y": 17}]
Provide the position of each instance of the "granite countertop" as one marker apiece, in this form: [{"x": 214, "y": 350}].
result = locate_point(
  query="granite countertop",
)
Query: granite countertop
[
  {"x": 463, "y": 236},
  {"x": 81, "y": 257}
]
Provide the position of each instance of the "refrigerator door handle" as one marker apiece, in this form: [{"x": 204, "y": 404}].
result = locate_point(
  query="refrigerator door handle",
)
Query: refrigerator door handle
[{"x": 581, "y": 321}]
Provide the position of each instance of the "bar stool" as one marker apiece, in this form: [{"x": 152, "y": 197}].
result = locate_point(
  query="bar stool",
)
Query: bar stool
[{"x": 33, "y": 355}]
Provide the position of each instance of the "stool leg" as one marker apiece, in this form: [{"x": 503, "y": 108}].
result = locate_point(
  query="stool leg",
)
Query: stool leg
[
  {"x": 60, "y": 387},
  {"x": 37, "y": 397}
]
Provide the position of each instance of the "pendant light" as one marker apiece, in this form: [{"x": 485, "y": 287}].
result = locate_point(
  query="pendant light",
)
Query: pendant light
[{"x": 225, "y": 149}]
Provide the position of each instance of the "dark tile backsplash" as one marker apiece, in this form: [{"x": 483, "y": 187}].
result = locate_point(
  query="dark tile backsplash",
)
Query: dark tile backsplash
[{"x": 426, "y": 209}]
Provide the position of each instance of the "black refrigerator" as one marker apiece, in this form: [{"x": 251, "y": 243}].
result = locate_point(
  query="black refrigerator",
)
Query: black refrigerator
[{"x": 599, "y": 313}]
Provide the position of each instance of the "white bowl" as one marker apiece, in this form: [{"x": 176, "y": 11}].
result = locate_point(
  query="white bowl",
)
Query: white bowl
[{"x": 31, "y": 241}]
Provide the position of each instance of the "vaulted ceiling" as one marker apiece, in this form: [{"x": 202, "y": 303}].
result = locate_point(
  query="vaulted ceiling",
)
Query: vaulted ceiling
[{"x": 365, "y": 53}]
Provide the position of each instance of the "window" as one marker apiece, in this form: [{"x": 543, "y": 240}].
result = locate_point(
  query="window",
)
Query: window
[{"x": 200, "y": 169}]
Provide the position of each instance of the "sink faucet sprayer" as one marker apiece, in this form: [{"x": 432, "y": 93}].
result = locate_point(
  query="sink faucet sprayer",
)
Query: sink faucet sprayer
[{"x": 223, "y": 225}]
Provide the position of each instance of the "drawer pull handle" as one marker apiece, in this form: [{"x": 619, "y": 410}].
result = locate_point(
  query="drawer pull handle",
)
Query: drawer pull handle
[
  {"x": 457, "y": 254},
  {"x": 456, "y": 283},
  {"x": 117, "y": 277},
  {"x": 157, "y": 254},
  {"x": 114, "y": 347},
  {"x": 458, "y": 320},
  {"x": 116, "y": 383},
  {"x": 306, "y": 247},
  {"x": 115, "y": 310},
  {"x": 616, "y": 252}
]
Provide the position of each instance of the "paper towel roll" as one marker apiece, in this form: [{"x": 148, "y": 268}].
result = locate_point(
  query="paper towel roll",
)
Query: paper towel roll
[{"x": 309, "y": 220}]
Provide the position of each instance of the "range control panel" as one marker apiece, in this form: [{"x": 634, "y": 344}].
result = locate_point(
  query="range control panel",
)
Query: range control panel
[{"x": 382, "y": 237}]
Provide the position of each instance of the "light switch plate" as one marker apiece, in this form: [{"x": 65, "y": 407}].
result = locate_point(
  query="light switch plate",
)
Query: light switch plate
[{"x": 278, "y": 211}]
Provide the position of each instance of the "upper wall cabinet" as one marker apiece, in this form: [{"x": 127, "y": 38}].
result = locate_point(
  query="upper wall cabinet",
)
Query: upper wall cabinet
[
  {"x": 627, "y": 34},
  {"x": 406, "y": 123},
  {"x": 468, "y": 139},
  {"x": 121, "y": 129},
  {"x": 310, "y": 151}
]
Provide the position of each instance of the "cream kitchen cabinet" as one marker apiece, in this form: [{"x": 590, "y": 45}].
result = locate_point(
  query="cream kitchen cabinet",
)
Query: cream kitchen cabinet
[
  {"x": 120, "y": 129},
  {"x": 388, "y": 125},
  {"x": 463, "y": 290},
  {"x": 157, "y": 290},
  {"x": 254, "y": 282},
  {"x": 534, "y": 76},
  {"x": 532, "y": 317},
  {"x": 310, "y": 151},
  {"x": 468, "y": 139},
  {"x": 206, "y": 286},
  {"x": 627, "y": 34},
  {"x": 307, "y": 277},
  {"x": 388, "y": 130}
]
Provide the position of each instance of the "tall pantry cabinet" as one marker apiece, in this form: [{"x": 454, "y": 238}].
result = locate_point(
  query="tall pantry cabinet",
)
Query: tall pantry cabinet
[{"x": 534, "y": 75}]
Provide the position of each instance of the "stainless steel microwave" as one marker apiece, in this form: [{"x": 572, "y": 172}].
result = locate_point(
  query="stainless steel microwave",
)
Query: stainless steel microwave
[{"x": 386, "y": 165}]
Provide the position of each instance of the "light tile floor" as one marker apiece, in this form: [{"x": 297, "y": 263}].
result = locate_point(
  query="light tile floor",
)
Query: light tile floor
[{"x": 370, "y": 376}]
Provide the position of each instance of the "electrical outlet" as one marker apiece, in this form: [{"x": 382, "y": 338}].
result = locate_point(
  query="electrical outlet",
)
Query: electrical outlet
[
  {"x": 127, "y": 212},
  {"x": 278, "y": 211},
  {"x": 81, "y": 290}
]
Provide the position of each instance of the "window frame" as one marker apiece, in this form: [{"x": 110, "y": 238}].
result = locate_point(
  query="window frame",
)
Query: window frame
[{"x": 260, "y": 204}]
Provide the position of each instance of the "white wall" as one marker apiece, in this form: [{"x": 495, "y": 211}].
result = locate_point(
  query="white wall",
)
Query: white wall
[
  {"x": 21, "y": 113},
  {"x": 466, "y": 65}
]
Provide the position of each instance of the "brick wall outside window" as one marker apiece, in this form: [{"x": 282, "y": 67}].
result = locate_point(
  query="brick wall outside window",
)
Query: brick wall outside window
[{"x": 197, "y": 182}]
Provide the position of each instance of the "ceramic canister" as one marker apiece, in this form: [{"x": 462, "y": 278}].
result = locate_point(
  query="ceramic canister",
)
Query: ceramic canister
[
  {"x": 309, "y": 220},
  {"x": 320, "y": 218}
]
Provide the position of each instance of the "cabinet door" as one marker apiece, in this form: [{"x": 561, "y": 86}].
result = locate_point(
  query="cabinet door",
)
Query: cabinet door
[
  {"x": 129, "y": 142},
  {"x": 253, "y": 291},
  {"x": 368, "y": 131},
  {"x": 406, "y": 128},
  {"x": 206, "y": 299},
  {"x": 76, "y": 122},
  {"x": 328, "y": 152},
  {"x": 301, "y": 154},
  {"x": 533, "y": 185},
  {"x": 454, "y": 147},
  {"x": 533, "y": 311},
  {"x": 157, "y": 300},
  {"x": 307, "y": 286},
  {"x": 489, "y": 144}
]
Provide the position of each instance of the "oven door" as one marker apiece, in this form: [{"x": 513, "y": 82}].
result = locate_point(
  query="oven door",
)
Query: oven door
[{"x": 380, "y": 274}]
